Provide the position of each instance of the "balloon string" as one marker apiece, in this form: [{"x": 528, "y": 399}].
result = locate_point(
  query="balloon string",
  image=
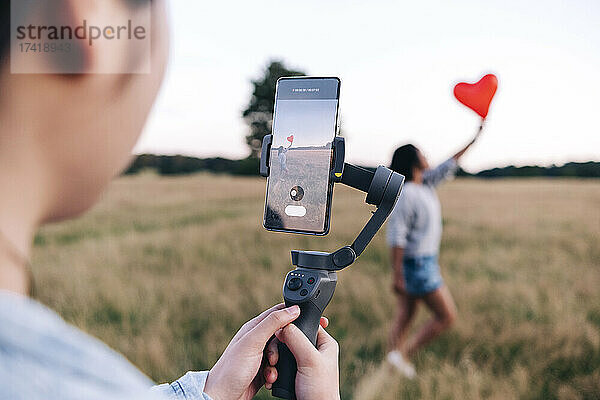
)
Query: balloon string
[{"x": 479, "y": 130}]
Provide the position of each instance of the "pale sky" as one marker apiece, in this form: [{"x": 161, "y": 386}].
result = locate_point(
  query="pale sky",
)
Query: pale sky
[
  {"x": 398, "y": 63},
  {"x": 312, "y": 122}
]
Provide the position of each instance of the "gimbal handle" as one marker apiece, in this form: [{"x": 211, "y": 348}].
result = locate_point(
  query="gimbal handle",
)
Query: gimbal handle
[{"x": 312, "y": 283}]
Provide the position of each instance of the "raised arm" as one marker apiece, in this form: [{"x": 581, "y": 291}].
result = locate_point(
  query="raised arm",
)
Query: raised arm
[
  {"x": 441, "y": 173},
  {"x": 446, "y": 170},
  {"x": 461, "y": 152}
]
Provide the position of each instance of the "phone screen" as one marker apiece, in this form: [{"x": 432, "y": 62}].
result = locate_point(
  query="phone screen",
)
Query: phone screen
[{"x": 304, "y": 125}]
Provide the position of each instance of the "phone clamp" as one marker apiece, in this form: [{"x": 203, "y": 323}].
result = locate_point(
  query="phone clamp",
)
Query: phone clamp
[{"x": 312, "y": 284}]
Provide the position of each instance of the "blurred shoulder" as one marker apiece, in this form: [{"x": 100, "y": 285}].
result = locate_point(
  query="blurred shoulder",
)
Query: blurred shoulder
[
  {"x": 66, "y": 363},
  {"x": 408, "y": 195},
  {"x": 410, "y": 190}
]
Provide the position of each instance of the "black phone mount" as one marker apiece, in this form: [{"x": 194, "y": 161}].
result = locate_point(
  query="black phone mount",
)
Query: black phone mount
[{"x": 312, "y": 283}]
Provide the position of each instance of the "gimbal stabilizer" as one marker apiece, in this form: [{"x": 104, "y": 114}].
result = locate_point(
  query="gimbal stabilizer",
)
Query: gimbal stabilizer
[{"x": 312, "y": 283}]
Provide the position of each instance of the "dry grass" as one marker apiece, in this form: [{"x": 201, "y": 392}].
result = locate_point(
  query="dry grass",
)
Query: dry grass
[{"x": 166, "y": 269}]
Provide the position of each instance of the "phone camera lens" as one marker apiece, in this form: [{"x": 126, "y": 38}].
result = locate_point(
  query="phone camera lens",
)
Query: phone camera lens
[{"x": 297, "y": 193}]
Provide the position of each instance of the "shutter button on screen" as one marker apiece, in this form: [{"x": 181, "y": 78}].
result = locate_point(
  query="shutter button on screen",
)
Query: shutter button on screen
[
  {"x": 294, "y": 284},
  {"x": 311, "y": 281},
  {"x": 297, "y": 193}
]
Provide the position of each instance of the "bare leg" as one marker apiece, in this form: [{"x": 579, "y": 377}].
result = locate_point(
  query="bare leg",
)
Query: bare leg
[
  {"x": 407, "y": 307},
  {"x": 440, "y": 302}
]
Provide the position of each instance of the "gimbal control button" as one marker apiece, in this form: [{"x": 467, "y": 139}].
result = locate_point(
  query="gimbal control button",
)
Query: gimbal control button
[
  {"x": 294, "y": 284},
  {"x": 303, "y": 292}
]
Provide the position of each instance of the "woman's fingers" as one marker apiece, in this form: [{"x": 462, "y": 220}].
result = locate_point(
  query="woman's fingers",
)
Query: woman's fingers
[
  {"x": 272, "y": 356},
  {"x": 302, "y": 349},
  {"x": 255, "y": 321},
  {"x": 272, "y": 352},
  {"x": 298, "y": 343},
  {"x": 324, "y": 322},
  {"x": 325, "y": 342},
  {"x": 258, "y": 336},
  {"x": 270, "y": 375}
]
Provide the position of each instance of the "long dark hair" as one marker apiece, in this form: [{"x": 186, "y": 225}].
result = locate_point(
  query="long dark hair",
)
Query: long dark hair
[{"x": 404, "y": 160}]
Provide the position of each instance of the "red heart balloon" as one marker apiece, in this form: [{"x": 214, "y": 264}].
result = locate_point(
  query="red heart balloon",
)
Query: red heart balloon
[
  {"x": 477, "y": 96},
  {"x": 290, "y": 138}
]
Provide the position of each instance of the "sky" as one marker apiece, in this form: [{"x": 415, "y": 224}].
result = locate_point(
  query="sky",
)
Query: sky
[
  {"x": 311, "y": 122},
  {"x": 398, "y": 63}
]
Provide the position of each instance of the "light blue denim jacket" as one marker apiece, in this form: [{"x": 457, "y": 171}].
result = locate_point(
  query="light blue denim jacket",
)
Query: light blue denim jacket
[{"x": 43, "y": 357}]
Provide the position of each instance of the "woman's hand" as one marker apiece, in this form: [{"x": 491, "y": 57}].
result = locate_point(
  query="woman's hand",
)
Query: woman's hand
[
  {"x": 236, "y": 374},
  {"x": 318, "y": 372},
  {"x": 241, "y": 372},
  {"x": 399, "y": 286}
]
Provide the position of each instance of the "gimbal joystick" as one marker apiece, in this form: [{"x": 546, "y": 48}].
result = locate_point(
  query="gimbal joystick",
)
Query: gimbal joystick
[{"x": 312, "y": 283}]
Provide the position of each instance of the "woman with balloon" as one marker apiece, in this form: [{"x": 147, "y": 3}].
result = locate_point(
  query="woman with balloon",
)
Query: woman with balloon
[
  {"x": 282, "y": 157},
  {"x": 414, "y": 235}
]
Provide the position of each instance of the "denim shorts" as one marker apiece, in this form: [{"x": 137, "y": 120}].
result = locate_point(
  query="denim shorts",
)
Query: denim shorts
[{"x": 422, "y": 275}]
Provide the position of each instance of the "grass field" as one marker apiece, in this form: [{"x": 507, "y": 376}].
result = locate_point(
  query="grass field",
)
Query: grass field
[{"x": 165, "y": 270}]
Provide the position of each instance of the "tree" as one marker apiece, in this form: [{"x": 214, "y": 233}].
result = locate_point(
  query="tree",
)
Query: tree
[{"x": 259, "y": 113}]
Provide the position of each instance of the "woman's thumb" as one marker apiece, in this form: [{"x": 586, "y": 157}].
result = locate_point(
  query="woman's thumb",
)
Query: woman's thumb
[{"x": 303, "y": 350}]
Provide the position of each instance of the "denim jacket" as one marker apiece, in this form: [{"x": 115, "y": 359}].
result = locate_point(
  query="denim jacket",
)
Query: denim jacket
[{"x": 43, "y": 357}]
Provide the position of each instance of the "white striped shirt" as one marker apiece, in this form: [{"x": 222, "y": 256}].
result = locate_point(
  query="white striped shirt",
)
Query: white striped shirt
[{"x": 415, "y": 223}]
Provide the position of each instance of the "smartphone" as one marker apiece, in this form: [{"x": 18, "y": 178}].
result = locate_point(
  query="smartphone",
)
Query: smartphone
[{"x": 305, "y": 122}]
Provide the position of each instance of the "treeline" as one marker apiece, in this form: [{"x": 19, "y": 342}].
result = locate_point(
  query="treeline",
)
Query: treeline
[
  {"x": 179, "y": 165},
  {"x": 589, "y": 169}
]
